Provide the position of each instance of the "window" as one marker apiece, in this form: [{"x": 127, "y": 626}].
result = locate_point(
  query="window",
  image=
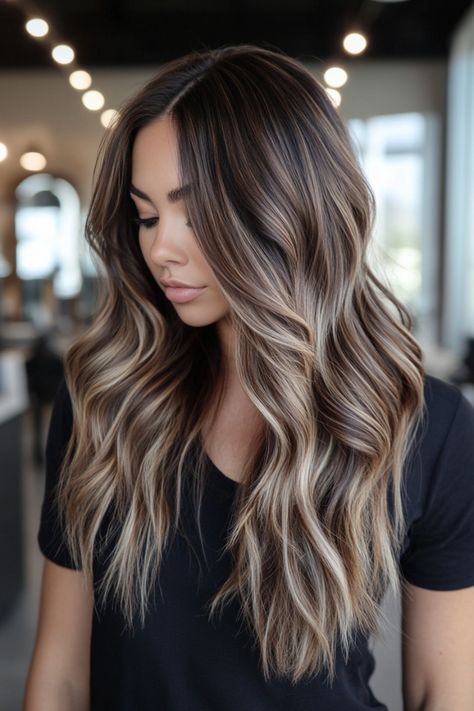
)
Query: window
[{"x": 399, "y": 156}]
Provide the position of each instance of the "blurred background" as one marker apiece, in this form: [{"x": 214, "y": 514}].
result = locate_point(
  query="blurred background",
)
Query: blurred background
[{"x": 401, "y": 74}]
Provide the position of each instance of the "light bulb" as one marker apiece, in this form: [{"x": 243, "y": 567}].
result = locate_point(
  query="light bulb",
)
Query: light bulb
[
  {"x": 37, "y": 27},
  {"x": 32, "y": 160},
  {"x": 93, "y": 100},
  {"x": 80, "y": 79},
  {"x": 354, "y": 43},
  {"x": 63, "y": 54},
  {"x": 108, "y": 118},
  {"x": 335, "y": 77},
  {"x": 334, "y": 95}
]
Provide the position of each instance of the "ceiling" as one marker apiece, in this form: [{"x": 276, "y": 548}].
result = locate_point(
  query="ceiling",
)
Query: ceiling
[{"x": 145, "y": 32}]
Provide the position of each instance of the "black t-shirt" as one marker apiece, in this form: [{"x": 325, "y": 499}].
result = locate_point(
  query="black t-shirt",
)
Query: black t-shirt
[{"x": 182, "y": 662}]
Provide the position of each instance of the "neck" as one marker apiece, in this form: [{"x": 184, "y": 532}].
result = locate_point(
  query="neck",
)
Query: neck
[{"x": 227, "y": 344}]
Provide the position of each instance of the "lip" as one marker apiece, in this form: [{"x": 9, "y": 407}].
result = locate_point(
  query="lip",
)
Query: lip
[
  {"x": 175, "y": 282},
  {"x": 182, "y": 294}
]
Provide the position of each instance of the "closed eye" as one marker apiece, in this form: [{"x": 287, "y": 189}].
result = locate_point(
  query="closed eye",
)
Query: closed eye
[{"x": 149, "y": 222}]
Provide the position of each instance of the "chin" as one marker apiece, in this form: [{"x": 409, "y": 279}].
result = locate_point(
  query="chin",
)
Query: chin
[{"x": 194, "y": 319}]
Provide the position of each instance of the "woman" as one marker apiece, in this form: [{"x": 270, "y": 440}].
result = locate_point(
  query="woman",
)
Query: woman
[{"x": 246, "y": 452}]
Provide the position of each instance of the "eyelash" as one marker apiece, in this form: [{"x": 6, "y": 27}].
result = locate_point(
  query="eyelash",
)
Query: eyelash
[{"x": 149, "y": 222}]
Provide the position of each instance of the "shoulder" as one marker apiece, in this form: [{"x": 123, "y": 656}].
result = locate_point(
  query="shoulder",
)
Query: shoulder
[
  {"x": 441, "y": 462},
  {"x": 448, "y": 415},
  {"x": 60, "y": 425},
  {"x": 441, "y": 398},
  {"x": 438, "y": 390},
  {"x": 440, "y": 493},
  {"x": 441, "y": 401},
  {"x": 62, "y": 398}
]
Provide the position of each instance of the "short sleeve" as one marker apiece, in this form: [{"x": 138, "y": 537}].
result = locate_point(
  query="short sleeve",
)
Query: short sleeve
[
  {"x": 440, "y": 551},
  {"x": 50, "y": 534}
]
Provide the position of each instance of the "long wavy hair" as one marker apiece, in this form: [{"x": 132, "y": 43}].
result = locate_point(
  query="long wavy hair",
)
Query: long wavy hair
[{"x": 323, "y": 349}]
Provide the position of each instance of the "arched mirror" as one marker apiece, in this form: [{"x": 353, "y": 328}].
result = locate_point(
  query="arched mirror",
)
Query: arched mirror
[{"x": 48, "y": 230}]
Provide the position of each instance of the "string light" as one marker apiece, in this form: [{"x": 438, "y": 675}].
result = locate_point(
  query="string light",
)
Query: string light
[
  {"x": 93, "y": 100},
  {"x": 37, "y": 27},
  {"x": 335, "y": 77},
  {"x": 354, "y": 43},
  {"x": 3, "y": 151},
  {"x": 63, "y": 54},
  {"x": 334, "y": 95},
  {"x": 80, "y": 79},
  {"x": 108, "y": 118}
]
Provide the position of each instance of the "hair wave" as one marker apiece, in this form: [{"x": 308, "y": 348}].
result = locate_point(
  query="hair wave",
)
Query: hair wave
[{"x": 323, "y": 349}]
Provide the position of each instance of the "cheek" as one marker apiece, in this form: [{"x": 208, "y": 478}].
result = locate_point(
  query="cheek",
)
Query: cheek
[
  {"x": 204, "y": 267},
  {"x": 143, "y": 250}
]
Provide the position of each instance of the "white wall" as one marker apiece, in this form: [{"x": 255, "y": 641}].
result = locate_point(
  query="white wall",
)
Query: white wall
[{"x": 40, "y": 107}]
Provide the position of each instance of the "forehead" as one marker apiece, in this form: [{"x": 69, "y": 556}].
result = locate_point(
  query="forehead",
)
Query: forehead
[{"x": 154, "y": 151}]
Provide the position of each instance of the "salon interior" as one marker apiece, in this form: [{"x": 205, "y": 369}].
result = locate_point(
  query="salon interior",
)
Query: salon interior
[{"x": 400, "y": 72}]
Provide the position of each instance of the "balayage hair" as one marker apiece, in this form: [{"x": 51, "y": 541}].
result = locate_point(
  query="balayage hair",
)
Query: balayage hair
[{"x": 283, "y": 214}]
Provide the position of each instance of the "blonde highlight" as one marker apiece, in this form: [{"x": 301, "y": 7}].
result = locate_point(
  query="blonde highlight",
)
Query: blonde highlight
[{"x": 284, "y": 216}]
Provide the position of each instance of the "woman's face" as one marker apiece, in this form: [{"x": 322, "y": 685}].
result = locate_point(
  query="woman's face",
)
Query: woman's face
[{"x": 167, "y": 242}]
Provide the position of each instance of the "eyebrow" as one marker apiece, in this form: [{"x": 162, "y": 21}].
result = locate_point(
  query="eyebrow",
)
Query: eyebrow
[{"x": 174, "y": 195}]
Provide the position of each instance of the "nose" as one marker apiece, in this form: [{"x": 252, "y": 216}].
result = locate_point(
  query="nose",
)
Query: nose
[{"x": 165, "y": 245}]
